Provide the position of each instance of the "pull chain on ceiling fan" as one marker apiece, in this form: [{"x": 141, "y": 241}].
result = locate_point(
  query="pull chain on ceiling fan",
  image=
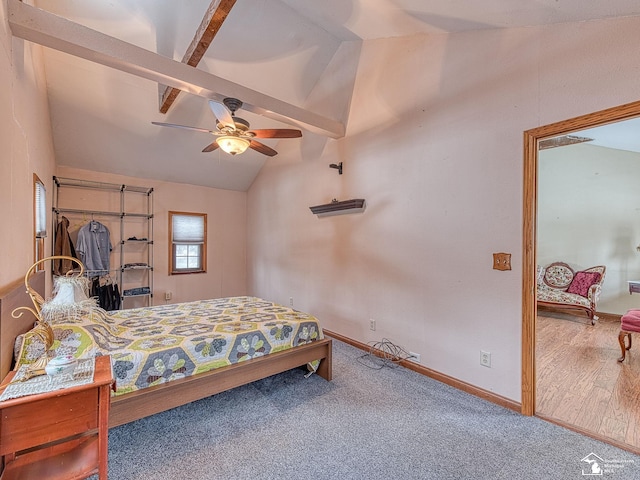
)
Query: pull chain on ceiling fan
[{"x": 234, "y": 134}]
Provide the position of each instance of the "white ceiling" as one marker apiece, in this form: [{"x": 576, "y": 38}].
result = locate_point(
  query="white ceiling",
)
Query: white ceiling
[
  {"x": 621, "y": 135},
  {"x": 101, "y": 117}
]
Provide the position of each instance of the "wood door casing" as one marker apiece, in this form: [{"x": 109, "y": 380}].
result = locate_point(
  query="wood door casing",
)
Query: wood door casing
[{"x": 531, "y": 138}]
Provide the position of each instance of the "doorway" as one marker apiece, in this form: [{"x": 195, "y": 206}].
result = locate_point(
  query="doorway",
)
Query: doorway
[{"x": 531, "y": 139}]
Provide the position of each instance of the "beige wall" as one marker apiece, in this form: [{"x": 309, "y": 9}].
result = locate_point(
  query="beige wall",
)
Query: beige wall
[
  {"x": 226, "y": 234},
  {"x": 25, "y": 136},
  {"x": 26, "y": 145},
  {"x": 588, "y": 214},
  {"x": 434, "y": 144}
]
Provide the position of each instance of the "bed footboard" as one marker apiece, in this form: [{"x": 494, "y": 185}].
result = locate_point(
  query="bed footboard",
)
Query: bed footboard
[{"x": 142, "y": 403}]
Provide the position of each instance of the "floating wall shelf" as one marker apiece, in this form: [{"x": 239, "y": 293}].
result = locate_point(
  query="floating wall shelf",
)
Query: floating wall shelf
[{"x": 355, "y": 205}]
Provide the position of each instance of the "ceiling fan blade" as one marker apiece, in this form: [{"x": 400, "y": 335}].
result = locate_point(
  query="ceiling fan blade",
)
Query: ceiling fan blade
[
  {"x": 173, "y": 125},
  {"x": 223, "y": 115},
  {"x": 210, "y": 148},
  {"x": 262, "y": 148},
  {"x": 277, "y": 133}
]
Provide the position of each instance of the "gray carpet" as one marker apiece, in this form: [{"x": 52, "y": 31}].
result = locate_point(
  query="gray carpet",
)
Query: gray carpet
[{"x": 390, "y": 423}]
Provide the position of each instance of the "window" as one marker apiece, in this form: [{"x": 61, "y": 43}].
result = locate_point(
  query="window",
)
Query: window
[
  {"x": 39, "y": 218},
  {"x": 188, "y": 239}
]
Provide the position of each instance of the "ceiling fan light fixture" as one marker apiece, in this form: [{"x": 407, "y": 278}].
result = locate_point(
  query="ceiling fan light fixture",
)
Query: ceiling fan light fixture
[{"x": 233, "y": 145}]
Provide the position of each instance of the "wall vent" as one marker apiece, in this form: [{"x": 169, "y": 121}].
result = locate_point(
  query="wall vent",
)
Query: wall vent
[{"x": 562, "y": 141}]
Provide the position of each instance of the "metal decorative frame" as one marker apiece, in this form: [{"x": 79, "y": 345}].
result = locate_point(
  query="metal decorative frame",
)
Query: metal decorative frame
[{"x": 42, "y": 329}]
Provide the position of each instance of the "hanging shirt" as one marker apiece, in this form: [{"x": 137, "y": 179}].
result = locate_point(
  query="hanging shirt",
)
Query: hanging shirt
[
  {"x": 63, "y": 246},
  {"x": 94, "y": 248}
]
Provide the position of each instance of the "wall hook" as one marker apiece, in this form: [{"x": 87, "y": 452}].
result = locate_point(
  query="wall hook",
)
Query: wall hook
[{"x": 338, "y": 166}]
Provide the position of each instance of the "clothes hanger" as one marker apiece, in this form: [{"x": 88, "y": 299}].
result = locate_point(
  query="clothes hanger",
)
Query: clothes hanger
[{"x": 79, "y": 223}]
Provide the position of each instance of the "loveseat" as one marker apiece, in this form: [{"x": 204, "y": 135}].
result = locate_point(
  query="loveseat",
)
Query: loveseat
[{"x": 561, "y": 286}]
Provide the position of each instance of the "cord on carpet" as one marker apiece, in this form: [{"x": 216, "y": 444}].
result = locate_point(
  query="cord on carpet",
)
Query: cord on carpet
[{"x": 384, "y": 354}]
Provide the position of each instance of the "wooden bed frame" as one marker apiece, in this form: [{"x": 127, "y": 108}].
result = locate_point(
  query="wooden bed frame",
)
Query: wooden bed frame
[
  {"x": 145, "y": 402},
  {"x": 142, "y": 403}
]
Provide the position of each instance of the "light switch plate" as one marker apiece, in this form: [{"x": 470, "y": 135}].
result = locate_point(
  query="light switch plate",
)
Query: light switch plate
[{"x": 502, "y": 261}]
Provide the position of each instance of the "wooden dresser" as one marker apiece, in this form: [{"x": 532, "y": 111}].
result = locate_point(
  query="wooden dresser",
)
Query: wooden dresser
[{"x": 58, "y": 435}]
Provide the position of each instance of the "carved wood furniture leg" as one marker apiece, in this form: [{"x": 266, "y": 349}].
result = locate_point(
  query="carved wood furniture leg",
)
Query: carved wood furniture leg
[
  {"x": 623, "y": 349},
  {"x": 629, "y": 323}
]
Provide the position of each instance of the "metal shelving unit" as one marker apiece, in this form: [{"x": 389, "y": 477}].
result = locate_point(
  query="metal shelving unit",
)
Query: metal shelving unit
[{"x": 133, "y": 259}]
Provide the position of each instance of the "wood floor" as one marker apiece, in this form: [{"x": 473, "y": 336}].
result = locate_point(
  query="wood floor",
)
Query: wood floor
[{"x": 579, "y": 380}]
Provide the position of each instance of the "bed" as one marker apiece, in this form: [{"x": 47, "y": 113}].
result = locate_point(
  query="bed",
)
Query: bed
[{"x": 169, "y": 355}]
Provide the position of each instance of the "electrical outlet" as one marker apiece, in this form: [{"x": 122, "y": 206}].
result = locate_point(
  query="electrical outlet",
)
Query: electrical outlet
[
  {"x": 372, "y": 324},
  {"x": 485, "y": 358},
  {"x": 167, "y": 295},
  {"x": 414, "y": 357},
  {"x": 291, "y": 301}
]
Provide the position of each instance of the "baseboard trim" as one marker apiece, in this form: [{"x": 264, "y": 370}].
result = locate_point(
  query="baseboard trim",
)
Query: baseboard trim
[
  {"x": 587, "y": 433},
  {"x": 613, "y": 317},
  {"x": 441, "y": 377},
  {"x": 609, "y": 317}
]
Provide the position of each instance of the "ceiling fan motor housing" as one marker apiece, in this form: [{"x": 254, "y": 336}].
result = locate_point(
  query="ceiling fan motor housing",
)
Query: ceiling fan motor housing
[
  {"x": 232, "y": 104},
  {"x": 242, "y": 126},
  {"x": 233, "y": 134}
]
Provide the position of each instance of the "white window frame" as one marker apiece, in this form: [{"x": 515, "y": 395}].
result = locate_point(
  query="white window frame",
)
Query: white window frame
[
  {"x": 187, "y": 229},
  {"x": 39, "y": 219}
]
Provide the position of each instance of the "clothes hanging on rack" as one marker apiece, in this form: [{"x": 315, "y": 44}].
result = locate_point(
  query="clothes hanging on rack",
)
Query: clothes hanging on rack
[
  {"x": 94, "y": 247},
  {"x": 63, "y": 246},
  {"x": 107, "y": 292},
  {"x": 78, "y": 224}
]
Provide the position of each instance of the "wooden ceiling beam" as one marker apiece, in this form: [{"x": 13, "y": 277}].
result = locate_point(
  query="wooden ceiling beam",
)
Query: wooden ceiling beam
[
  {"x": 213, "y": 19},
  {"x": 52, "y": 31}
]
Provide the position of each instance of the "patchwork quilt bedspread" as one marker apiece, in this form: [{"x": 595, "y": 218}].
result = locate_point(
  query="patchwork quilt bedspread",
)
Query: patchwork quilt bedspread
[{"x": 153, "y": 345}]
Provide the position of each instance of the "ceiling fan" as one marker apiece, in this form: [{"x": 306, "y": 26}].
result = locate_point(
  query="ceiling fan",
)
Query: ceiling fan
[{"x": 234, "y": 135}]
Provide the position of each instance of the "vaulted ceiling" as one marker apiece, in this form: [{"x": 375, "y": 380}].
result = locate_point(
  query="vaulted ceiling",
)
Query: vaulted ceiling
[{"x": 275, "y": 53}]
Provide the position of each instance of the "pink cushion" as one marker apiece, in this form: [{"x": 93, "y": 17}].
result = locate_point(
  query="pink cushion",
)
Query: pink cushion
[
  {"x": 631, "y": 321},
  {"x": 582, "y": 281}
]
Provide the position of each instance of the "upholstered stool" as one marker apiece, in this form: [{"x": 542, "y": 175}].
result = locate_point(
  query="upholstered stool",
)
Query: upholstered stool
[{"x": 630, "y": 323}]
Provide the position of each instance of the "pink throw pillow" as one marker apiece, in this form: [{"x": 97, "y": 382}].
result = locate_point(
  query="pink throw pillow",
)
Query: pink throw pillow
[{"x": 582, "y": 281}]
